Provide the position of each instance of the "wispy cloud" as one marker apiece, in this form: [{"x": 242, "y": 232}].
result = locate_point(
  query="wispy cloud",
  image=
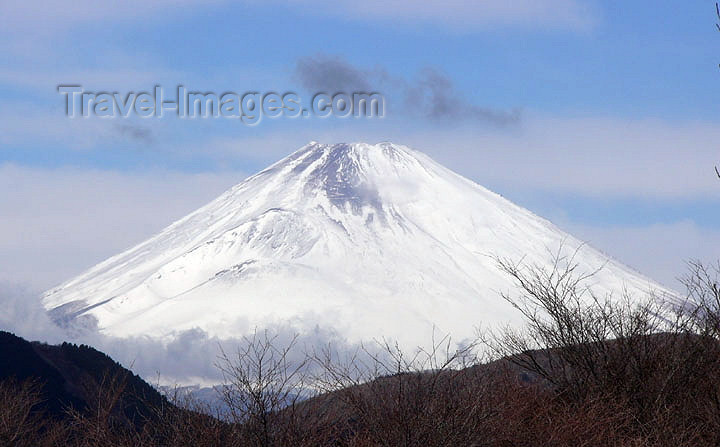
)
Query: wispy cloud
[
  {"x": 135, "y": 132},
  {"x": 596, "y": 157},
  {"x": 660, "y": 251},
  {"x": 47, "y": 16},
  {"x": 50, "y": 16},
  {"x": 42, "y": 127},
  {"x": 461, "y": 15}
]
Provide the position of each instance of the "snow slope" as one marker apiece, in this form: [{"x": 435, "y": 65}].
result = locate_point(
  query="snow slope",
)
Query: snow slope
[{"x": 370, "y": 240}]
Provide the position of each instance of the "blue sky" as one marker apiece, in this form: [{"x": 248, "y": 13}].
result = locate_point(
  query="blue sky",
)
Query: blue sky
[{"x": 616, "y": 139}]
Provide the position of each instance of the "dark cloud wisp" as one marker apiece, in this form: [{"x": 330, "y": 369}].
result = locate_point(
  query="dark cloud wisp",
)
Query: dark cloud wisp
[
  {"x": 432, "y": 95},
  {"x": 332, "y": 74},
  {"x": 134, "y": 132},
  {"x": 435, "y": 97}
]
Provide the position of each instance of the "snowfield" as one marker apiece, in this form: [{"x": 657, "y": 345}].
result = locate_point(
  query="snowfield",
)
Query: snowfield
[{"x": 369, "y": 240}]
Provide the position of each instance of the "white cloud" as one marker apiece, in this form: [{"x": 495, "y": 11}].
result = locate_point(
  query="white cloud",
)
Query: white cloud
[
  {"x": 47, "y": 17},
  {"x": 597, "y": 157},
  {"x": 25, "y": 125},
  {"x": 188, "y": 359},
  {"x": 462, "y": 14},
  {"x": 56, "y": 222},
  {"x": 660, "y": 251},
  {"x": 118, "y": 78},
  {"x": 34, "y": 30},
  {"x": 24, "y": 315}
]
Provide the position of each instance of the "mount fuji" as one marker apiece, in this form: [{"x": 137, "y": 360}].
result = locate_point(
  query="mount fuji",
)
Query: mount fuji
[{"x": 366, "y": 240}]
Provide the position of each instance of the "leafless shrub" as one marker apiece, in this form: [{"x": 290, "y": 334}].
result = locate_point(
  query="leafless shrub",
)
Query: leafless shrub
[
  {"x": 389, "y": 398},
  {"x": 185, "y": 421},
  {"x": 702, "y": 306},
  {"x": 21, "y": 423},
  {"x": 101, "y": 423},
  {"x": 260, "y": 381},
  {"x": 645, "y": 355}
]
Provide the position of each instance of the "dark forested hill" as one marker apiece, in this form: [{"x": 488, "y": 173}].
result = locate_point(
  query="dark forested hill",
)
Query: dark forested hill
[{"x": 72, "y": 376}]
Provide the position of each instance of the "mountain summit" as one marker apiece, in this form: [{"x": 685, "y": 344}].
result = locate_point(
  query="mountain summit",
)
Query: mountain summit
[{"x": 368, "y": 240}]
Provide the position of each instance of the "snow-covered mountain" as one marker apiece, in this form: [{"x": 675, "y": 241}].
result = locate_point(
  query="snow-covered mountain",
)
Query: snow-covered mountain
[{"x": 369, "y": 240}]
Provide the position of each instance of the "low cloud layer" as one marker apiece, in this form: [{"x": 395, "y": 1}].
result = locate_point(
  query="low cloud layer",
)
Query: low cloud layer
[
  {"x": 192, "y": 357},
  {"x": 24, "y": 315}
]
